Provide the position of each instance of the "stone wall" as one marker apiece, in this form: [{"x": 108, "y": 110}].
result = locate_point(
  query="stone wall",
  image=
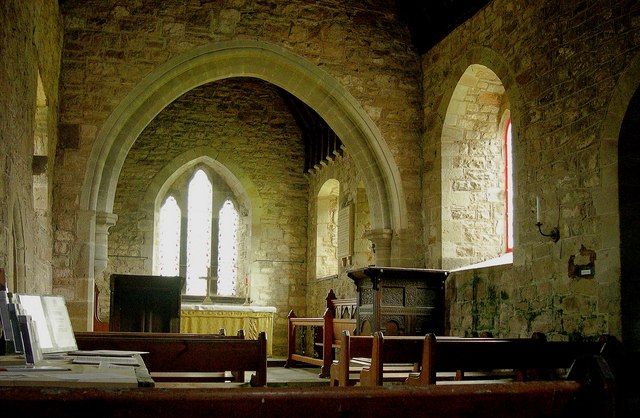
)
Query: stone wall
[
  {"x": 31, "y": 44},
  {"x": 560, "y": 63},
  {"x": 244, "y": 124},
  {"x": 351, "y": 192},
  {"x": 110, "y": 46}
]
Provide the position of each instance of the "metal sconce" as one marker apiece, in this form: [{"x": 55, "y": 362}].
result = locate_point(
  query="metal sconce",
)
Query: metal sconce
[{"x": 555, "y": 232}]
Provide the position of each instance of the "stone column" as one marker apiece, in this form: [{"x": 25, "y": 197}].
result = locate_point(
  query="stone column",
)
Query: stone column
[
  {"x": 104, "y": 221},
  {"x": 381, "y": 240}
]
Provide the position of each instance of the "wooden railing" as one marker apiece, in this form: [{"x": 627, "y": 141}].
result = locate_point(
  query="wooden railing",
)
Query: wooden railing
[{"x": 325, "y": 331}]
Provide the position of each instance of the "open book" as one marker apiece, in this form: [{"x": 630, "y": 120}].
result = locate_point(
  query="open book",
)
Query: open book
[{"x": 51, "y": 319}]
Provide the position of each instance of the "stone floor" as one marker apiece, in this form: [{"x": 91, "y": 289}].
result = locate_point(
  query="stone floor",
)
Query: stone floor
[
  {"x": 277, "y": 376},
  {"x": 280, "y": 376},
  {"x": 303, "y": 375}
]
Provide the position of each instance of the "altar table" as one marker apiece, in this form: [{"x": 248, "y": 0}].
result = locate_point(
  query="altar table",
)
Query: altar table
[{"x": 208, "y": 319}]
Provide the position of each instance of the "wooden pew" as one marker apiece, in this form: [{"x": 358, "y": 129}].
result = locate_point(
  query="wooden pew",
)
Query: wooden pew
[
  {"x": 569, "y": 398},
  {"x": 395, "y": 350},
  {"x": 475, "y": 358},
  {"x": 530, "y": 358},
  {"x": 338, "y": 316},
  {"x": 357, "y": 352},
  {"x": 115, "y": 340},
  {"x": 355, "y": 360},
  {"x": 188, "y": 357},
  {"x": 416, "y": 352},
  {"x": 353, "y": 349}
]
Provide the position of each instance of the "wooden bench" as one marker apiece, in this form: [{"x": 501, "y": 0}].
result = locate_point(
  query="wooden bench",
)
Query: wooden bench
[
  {"x": 174, "y": 357},
  {"x": 338, "y": 316},
  {"x": 495, "y": 359},
  {"x": 372, "y": 360},
  {"x": 568, "y": 398},
  {"x": 357, "y": 352}
]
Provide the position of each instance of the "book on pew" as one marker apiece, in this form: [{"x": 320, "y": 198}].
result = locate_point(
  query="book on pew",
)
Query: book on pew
[
  {"x": 7, "y": 331},
  {"x": 51, "y": 322},
  {"x": 32, "y": 352},
  {"x": 13, "y": 319},
  {"x": 106, "y": 353},
  {"x": 10, "y": 328},
  {"x": 107, "y": 360}
]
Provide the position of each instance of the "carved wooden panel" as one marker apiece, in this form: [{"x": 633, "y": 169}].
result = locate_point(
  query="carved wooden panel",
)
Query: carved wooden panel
[
  {"x": 366, "y": 296},
  {"x": 393, "y": 296},
  {"x": 399, "y": 300}
]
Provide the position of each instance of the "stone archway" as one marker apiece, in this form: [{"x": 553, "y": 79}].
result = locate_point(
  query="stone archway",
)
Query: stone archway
[
  {"x": 222, "y": 60},
  {"x": 619, "y": 148},
  {"x": 473, "y": 174},
  {"x": 432, "y": 204}
]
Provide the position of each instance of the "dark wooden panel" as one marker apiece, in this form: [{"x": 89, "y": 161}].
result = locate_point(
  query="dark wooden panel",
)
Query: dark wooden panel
[
  {"x": 532, "y": 399},
  {"x": 399, "y": 301},
  {"x": 145, "y": 303}
]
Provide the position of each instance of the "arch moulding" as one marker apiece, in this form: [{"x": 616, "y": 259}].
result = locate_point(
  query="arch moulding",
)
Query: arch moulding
[{"x": 222, "y": 60}]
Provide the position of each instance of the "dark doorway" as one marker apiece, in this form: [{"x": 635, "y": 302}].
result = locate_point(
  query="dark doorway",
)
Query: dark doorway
[{"x": 629, "y": 201}]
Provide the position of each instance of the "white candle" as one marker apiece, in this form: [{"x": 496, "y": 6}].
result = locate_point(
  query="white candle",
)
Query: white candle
[{"x": 537, "y": 209}]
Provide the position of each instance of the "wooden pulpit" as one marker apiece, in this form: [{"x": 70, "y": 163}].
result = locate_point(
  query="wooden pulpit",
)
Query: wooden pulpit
[
  {"x": 142, "y": 303},
  {"x": 399, "y": 301}
]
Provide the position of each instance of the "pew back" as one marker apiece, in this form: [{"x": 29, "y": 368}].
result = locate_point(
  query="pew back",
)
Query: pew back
[
  {"x": 351, "y": 348},
  {"x": 488, "y": 358},
  {"x": 531, "y": 358},
  {"x": 188, "y": 353},
  {"x": 326, "y": 331},
  {"x": 394, "y": 355},
  {"x": 524, "y": 400}
]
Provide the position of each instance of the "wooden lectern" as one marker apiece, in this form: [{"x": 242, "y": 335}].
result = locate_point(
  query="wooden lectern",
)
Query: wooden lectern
[{"x": 142, "y": 303}]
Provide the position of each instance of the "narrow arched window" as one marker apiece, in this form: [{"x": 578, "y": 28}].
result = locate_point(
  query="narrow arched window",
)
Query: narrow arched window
[
  {"x": 169, "y": 238},
  {"x": 476, "y": 202},
  {"x": 227, "y": 249},
  {"x": 508, "y": 186},
  {"x": 199, "y": 212},
  {"x": 327, "y": 229},
  {"x": 199, "y": 235}
]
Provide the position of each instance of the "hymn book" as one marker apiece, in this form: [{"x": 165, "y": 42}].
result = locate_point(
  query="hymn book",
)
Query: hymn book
[
  {"x": 32, "y": 351},
  {"x": 15, "y": 327},
  {"x": 7, "y": 331}
]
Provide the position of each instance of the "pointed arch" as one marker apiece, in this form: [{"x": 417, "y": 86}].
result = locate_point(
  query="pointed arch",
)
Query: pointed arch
[
  {"x": 216, "y": 61},
  {"x": 618, "y": 158},
  {"x": 238, "y": 181},
  {"x": 247, "y": 59},
  {"x": 476, "y": 56}
]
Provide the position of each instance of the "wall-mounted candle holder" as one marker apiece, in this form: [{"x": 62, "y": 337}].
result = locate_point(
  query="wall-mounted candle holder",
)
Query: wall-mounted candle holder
[{"x": 554, "y": 234}]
